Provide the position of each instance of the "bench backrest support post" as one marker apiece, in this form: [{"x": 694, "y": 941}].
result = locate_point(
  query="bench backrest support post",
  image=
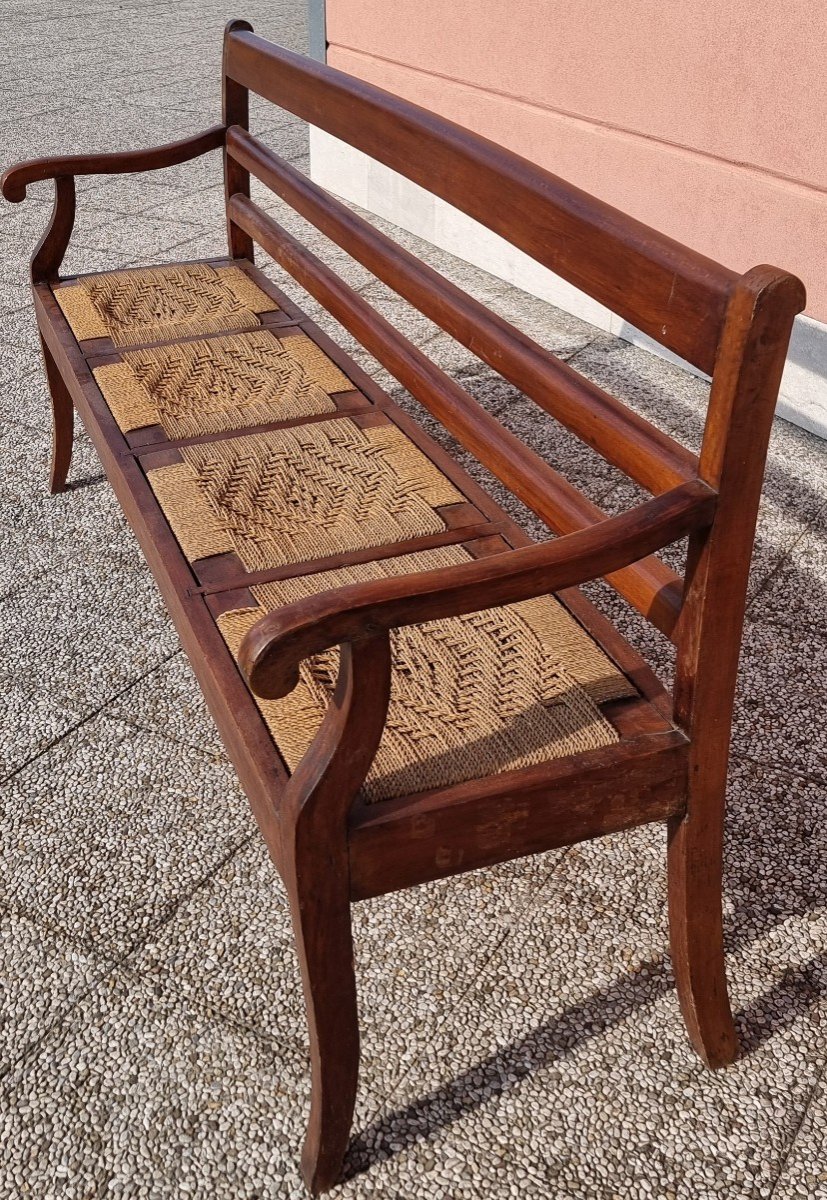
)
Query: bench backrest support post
[
  {"x": 235, "y": 110},
  {"x": 745, "y": 385}
]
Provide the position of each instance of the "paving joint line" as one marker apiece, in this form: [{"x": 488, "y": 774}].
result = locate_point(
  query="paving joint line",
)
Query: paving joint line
[
  {"x": 96, "y": 712},
  {"x": 129, "y": 216},
  {"x": 776, "y": 623},
  {"x": 111, "y": 963},
  {"x": 598, "y": 337},
  {"x": 779, "y": 768},
  {"x": 140, "y": 727},
  {"x": 799, "y": 1126},
  {"x": 214, "y": 1011},
  {"x": 784, "y": 557}
]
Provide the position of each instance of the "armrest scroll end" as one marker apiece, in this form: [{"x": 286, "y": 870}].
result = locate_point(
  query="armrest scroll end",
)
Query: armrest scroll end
[
  {"x": 12, "y": 186},
  {"x": 269, "y": 677}
]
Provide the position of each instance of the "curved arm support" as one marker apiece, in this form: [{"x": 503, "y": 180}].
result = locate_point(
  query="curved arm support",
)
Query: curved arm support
[
  {"x": 52, "y": 246},
  {"x": 339, "y": 758},
  {"x": 17, "y": 178},
  {"x": 274, "y": 647}
]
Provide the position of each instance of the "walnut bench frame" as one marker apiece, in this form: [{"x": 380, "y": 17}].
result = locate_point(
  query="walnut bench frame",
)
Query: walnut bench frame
[{"x": 670, "y": 762}]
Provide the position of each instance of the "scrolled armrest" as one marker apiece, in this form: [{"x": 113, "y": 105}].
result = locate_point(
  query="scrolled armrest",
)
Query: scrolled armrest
[
  {"x": 17, "y": 178},
  {"x": 273, "y": 649}
]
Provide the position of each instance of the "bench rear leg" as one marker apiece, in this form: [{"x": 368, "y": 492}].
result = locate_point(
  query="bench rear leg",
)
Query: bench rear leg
[
  {"x": 62, "y": 422},
  {"x": 696, "y": 934},
  {"x": 749, "y": 362}
]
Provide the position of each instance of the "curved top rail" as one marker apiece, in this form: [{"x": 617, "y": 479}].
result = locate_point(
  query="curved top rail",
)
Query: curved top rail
[
  {"x": 665, "y": 289},
  {"x": 17, "y": 178}
]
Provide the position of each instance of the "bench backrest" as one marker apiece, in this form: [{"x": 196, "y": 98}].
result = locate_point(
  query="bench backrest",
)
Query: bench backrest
[
  {"x": 665, "y": 289},
  {"x": 735, "y": 328}
]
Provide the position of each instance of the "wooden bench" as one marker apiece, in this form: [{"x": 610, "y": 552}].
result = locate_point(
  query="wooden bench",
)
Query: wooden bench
[{"x": 408, "y": 687}]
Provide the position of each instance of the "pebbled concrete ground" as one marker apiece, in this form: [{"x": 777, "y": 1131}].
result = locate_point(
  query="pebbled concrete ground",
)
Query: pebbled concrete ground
[{"x": 520, "y": 1030}]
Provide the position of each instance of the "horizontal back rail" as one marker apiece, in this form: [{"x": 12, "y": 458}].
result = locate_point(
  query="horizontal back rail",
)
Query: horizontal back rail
[
  {"x": 625, "y": 439},
  {"x": 651, "y": 586},
  {"x": 673, "y": 294}
]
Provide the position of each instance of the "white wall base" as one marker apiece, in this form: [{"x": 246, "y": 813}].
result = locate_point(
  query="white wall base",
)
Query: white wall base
[{"x": 355, "y": 177}]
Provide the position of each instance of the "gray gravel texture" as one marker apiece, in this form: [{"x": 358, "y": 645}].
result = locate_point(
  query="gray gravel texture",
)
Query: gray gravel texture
[{"x": 520, "y": 1030}]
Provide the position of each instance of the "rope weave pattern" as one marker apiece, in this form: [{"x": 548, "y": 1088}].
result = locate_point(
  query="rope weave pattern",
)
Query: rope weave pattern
[
  {"x": 162, "y": 303},
  {"x": 294, "y": 495},
  {"x": 471, "y": 696},
  {"x": 224, "y": 383}
]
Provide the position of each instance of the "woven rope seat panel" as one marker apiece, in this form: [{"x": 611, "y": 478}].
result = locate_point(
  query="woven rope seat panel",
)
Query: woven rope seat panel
[
  {"x": 222, "y": 383},
  {"x": 160, "y": 304},
  {"x": 471, "y": 696},
  {"x": 301, "y": 493}
]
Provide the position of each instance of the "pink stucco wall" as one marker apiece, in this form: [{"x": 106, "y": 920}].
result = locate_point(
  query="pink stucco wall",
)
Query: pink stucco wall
[{"x": 704, "y": 119}]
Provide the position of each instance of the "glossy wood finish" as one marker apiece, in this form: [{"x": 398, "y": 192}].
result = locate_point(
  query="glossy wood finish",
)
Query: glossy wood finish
[
  {"x": 17, "y": 178},
  {"x": 400, "y": 843},
  {"x": 63, "y": 416},
  {"x": 317, "y": 876},
  {"x": 673, "y": 294},
  {"x": 739, "y": 420},
  {"x": 670, "y": 761},
  {"x": 274, "y": 648},
  {"x": 624, "y": 438},
  {"x": 235, "y": 111},
  {"x": 654, "y": 590},
  {"x": 52, "y": 247}
]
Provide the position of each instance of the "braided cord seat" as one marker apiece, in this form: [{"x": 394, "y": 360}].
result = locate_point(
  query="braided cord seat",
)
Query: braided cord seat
[
  {"x": 219, "y": 384},
  {"x": 472, "y": 696},
  {"x": 291, "y": 495},
  {"x": 161, "y": 303}
]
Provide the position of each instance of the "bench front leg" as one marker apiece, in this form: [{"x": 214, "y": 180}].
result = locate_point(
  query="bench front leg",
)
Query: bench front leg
[
  {"x": 316, "y": 873},
  {"x": 63, "y": 415},
  {"x": 51, "y": 249}
]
